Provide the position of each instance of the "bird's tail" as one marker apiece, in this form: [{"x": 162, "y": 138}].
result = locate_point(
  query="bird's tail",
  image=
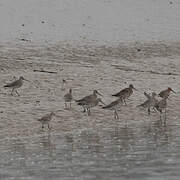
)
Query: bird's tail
[
  {"x": 104, "y": 107},
  {"x": 77, "y": 100},
  {"x": 114, "y": 94},
  {"x": 141, "y": 105}
]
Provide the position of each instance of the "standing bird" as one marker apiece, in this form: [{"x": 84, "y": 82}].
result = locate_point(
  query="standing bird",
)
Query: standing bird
[
  {"x": 91, "y": 103},
  {"x": 68, "y": 98},
  {"x": 148, "y": 96},
  {"x": 89, "y": 98},
  {"x": 166, "y": 93},
  {"x": 150, "y": 102},
  {"x": 114, "y": 106},
  {"x": 16, "y": 84},
  {"x": 64, "y": 82},
  {"x": 161, "y": 105},
  {"x": 46, "y": 119},
  {"x": 125, "y": 93}
]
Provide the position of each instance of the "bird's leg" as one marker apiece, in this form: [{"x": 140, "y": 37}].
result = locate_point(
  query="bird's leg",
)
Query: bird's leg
[
  {"x": 116, "y": 114},
  {"x": 12, "y": 91},
  {"x": 160, "y": 117},
  {"x": 49, "y": 126},
  {"x": 17, "y": 93},
  {"x": 149, "y": 111},
  {"x": 70, "y": 104},
  {"x": 165, "y": 114},
  {"x": 42, "y": 126},
  {"x": 155, "y": 110},
  {"x": 165, "y": 121},
  {"x": 84, "y": 109},
  {"x": 89, "y": 112},
  {"x": 65, "y": 105},
  {"x": 124, "y": 101}
]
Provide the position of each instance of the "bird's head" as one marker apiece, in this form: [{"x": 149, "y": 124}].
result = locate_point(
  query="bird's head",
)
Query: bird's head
[
  {"x": 132, "y": 87},
  {"x": 95, "y": 92},
  {"x": 22, "y": 78},
  {"x": 170, "y": 89}
]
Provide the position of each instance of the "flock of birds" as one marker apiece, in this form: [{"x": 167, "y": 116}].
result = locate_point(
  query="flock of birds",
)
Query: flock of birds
[{"x": 92, "y": 100}]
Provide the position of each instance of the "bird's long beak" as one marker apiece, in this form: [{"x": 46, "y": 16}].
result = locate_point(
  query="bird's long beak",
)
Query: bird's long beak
[
  {"x": 135, "y": 89},
  {"x": 173, "y": 91},
  {"x": 103, "y": 103},
  {"x": 99, "y": 94},
  {"x": 26, "y": 80}
]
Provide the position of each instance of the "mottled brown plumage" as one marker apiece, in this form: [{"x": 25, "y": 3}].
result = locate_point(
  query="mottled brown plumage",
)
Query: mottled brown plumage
[
  {"x": 114, "y": 106},
  {"x": 166, "y": 93},
  {"x": 46, "y": 119},
  {"x": 150, "y": 102},
  {"x": 161, "y": 106},
  {"x": 91, "y": 103},
  {"x": 15, "y": 85},
  {"x": 89, "y": 98},
  {"x": 68, "y": 98},
  {"x": 125, "y": 93}
]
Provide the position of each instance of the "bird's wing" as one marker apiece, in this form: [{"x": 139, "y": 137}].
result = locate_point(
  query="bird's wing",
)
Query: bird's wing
[
  {"x": 121, "y": 93},
  {"x": 45, "y": 118},
  {"x": 114, "y": 103},
  {"x": 11, "y": 84},
  {"x": 86, "y": 98}
]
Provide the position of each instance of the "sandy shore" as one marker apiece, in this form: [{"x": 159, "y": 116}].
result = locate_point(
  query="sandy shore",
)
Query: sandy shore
[{"x": 149, "y": 67}]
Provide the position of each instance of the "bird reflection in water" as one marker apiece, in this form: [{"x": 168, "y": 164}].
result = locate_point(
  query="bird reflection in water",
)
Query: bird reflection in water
[{"x": 47, "y": 143}]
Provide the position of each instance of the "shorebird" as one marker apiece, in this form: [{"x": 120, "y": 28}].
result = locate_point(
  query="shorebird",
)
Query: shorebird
[
  {"x": 91, "y": 103},
  {"x": 166, "y": 93},
  {"x": 46, "y": 119},
  {"x": 64, "y": 82},
  {"x": 114, "y": 106},
  {"x": 125, "y": 93},
  {"x": 89, "y": 98},
  {"x": 161, "y": 105},
  {"x": 16, "y": 84},
  {"x": 150, "y": 102},
  {"x": 68, "y": 98},
  {"x": 148, "y": 96}
]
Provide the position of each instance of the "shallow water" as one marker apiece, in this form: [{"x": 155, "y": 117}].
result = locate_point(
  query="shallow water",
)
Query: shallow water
[
  {"x": 149, "y": 151},
  {"x": 136, "y": 146}
]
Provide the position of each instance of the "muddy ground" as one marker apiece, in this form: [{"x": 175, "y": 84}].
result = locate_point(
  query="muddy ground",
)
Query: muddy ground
[{"x": 81, "y": 146}]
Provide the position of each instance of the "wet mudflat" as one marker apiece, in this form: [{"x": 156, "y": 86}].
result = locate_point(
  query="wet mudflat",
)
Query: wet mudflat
[{"x": 136, "y": 146}]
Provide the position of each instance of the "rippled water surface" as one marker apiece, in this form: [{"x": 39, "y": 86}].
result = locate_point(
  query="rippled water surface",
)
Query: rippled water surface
[{"x": 136, "y": 146}]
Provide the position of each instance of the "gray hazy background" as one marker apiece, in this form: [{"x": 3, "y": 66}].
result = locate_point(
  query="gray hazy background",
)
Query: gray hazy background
[{"x": 99, "y": 21}]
